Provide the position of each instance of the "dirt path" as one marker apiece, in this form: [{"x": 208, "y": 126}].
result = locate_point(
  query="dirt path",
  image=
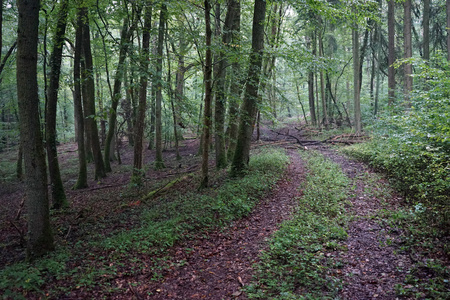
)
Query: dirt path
[
  {"x": 373, "y": 264},
  {"x": 217, "y": 266}
]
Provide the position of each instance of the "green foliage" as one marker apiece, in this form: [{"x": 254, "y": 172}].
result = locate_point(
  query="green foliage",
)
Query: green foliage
[{"x": 295, "y": 265}]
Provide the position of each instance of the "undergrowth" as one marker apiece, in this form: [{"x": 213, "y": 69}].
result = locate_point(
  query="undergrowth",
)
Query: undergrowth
[
  {"x": 295, "y": 266},
  {"x": 94, "y": 263}
]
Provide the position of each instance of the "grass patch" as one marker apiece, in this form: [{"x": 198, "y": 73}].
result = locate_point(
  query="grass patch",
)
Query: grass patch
[
  {"x": 295, "y": 265},
  {"x": 95, "y": 262}
]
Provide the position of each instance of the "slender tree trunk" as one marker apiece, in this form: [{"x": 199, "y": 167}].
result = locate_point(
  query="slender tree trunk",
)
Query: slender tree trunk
[
  {"x": 125, "y": 37},
  {"x": 85, "y": 105},
  {"x": 236, "y": 82},
  {"x": 408, "y": 50},
  {"x": 300, "y": 101},
  {"x": 172, "y": 96},
  {"x": 426, "y": 29},
  {"x": 322, "y": 83},
  {"x": 40, "y": 238},
  {"x": 89, "y": 107},
  {"x": 219, "y": 77},
  {"x": 249, "y": 106},
  {"x": 78, "y": 107},
  {"x": 356, "y": 85},
  {"x": 57, "y": 188},
  {"x": 448, "y": 28},
  {"x": 159, "y": 163},
  {"x": 391, "y": 55},
  {"x": 208, "y": 97},
  {"x": 140, "y": 119}
]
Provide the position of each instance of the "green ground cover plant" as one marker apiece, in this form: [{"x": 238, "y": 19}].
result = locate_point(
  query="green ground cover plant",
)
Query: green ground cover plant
[{"x": 294, "y": 265}]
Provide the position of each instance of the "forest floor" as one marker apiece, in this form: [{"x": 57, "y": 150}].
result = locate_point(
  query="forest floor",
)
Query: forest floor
[{"x": 218, "y": 264}]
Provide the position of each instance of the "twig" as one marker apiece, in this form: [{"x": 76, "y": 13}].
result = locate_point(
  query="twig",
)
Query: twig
[
  {"x": 138, "y": 296},
  {"x": 19, "y": 212}
]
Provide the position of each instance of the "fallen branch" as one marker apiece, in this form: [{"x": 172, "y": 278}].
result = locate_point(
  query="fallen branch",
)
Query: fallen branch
[{"x": 165, "y": 187}]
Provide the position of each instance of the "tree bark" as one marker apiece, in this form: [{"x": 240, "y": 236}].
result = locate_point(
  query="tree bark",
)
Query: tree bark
[
  {"x": 40, "y": 238},
  {"x": 159, "y": 163},
  {"x": 89, "y": 95},
  {"x": 57, "y": 188},
  {"x": 236, "y": 83},
  {"x": 219, "y": 77},
  {"x": 408, "y": 50},
  {"x": 249, "y": 106},
  {"x": 77, "y": 103},
  {"x": 140, "y": 120},
  {"x": 356, "y": 84},
  {"x": 391, "y": 50},
  {"x": 208, "y": 97},
  {"x": 448, "y": 28},
  {"x": 426, "y": 29}
]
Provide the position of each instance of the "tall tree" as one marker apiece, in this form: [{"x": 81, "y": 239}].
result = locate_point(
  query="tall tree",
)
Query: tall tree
[
  {"x": 391, "y": 51},
  {"x": 77, "y": 103},
  {"x": 356, "y": 83},
  {"x": 448, "y": 28},
  {"x": 426, "y": 29},
  {"x": 235, "y": 88},
  {"x": 311, "y": 100},
  {"x": 57, "y": 188},
  {"x": 159, "y": 163},
  {"x": 125, "y": 37},
  {"x": 208, "y": 96},
  {"x": 89, "y": 98},
  {"x": 408, "y": 49},
  {"x": 219, "y": 77},
  {"x": 140, "y": 119},
  {"x": 249, "y": 105},
  {"x": 40, "y": 238}
]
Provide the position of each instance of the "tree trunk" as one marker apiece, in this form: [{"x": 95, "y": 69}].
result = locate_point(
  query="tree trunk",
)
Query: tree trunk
[
  {"x": 219, "y": 77},
  {"x": 125, "y": 37},
  {"x": 322, "y": 82},
  {"x": 236, "y": 83},
  {"x": 408, "y": 50},
  {"x": 448, "y": 28},
  {"x": 159, "y": 163},
  {"x": 208, "y": 97},
  {"x": 89, "y": 108},
  {"x": 391, "y": 55},
  {"x": 40, "y": 238},
  {"x": 140, "y": 120},
  {"x": 426, "y": 29},
  {"x": 78, "y": 107},
  {"x": 57, "y": 188},
  {"x": 356, "y": 84},
  {"x": 249, "y": 106}
]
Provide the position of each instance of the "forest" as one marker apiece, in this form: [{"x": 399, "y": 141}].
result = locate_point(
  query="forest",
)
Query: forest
[{"x": 222, "y": 149}]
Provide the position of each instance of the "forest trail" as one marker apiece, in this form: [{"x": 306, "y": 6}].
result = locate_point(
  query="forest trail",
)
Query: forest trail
[
  {"x": 219, "y": 264},
  {"x": 372, "y": 263}
]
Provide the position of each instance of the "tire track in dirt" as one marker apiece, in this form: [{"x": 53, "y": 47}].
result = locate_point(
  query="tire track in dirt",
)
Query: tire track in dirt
[{"x": 372, "y": 262}]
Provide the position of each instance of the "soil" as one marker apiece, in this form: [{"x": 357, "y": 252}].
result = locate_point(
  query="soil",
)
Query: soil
[{"x": 218, "y": 264}]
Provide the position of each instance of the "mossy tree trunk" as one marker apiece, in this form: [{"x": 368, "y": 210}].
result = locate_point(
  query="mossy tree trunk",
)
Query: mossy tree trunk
[
  {"x": 40, "y": 238},
  {"x": 249, "y": 105},
  {"x": 57, "y": 188}
]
